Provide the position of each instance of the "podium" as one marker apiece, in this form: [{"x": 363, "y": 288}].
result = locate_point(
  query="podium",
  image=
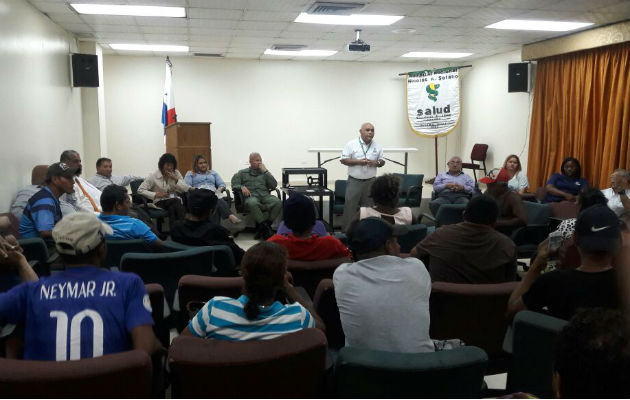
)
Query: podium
[{"x": 187, "y": 139}]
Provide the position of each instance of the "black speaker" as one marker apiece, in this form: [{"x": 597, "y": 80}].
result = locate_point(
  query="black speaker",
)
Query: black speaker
[
  {"x": 84, "y": 70},
  {"x": 518, "y": 77}
]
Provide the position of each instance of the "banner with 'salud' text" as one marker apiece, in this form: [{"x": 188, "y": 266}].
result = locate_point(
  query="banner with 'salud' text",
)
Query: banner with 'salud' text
[{"x": 433, "y": 101}]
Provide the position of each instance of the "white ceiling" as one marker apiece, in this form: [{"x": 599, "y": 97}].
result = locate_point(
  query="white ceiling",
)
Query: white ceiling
[{"x": 245, "y": 28}]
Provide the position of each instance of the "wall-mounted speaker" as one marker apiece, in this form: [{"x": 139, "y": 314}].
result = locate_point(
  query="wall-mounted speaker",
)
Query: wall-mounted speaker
[
  {"x": 518, "y": 77},
  {"x": 84, "y": 70}
]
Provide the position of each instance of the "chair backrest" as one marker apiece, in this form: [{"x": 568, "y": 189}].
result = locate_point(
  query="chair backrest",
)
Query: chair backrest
[
  {"x": 160, "y": 327},
  {"x": 117, "y": 248},
  {"x": 195, "y": 288},
  {"x": 134, "y": 185},
  {"x": 120, "y": 375},
  {"x": 410, "y": 191},
  {"x": 38, "y": 174},
  {"x": 308, "y": 274},
  {"x": 325, "y": 304},
  {"x": 416, "y": 233},
  {"x": 288, "y": 366},
  {"x": 450, "y": 214},
  {"x": 537, "y": 214},
  {"x": 564, "y": 209},
  {"x": 35, "y": 249},
  {"x": 340, "y": 191},
  {"x": 474, "y": 313},
  {"x": 222, "y": 259},
  {"x": 479, "y": 152},
  {"x": 167, "y": 268},
  {"x": 533, "y": 350},
  {"x": 456, "y": 373}
]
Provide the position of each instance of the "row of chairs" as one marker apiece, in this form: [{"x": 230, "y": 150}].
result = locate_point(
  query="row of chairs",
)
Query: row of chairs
[{"x": 293, "y": 365}]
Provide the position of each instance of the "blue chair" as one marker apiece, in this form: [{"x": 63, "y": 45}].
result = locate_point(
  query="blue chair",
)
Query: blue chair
[
  {"x": 416, "y": 233},
  {"x": 410, "y": 192},
  {"x": 117, "y": 248},
  {"x": 340, "y": 196}
]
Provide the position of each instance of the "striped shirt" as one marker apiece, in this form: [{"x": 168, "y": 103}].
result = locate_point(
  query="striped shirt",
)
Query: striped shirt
[
  {"x": 41, "y": 213},
  {"x": 224, "y": 318}
]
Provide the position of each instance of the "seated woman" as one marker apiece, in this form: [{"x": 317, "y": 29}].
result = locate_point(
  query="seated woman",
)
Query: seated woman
[
  {"x": 256, "y": 315},
  {"x": 384, "y": 192},
  {"x": 567, "y": 184},
  {"x": 518, "y": 181},
  {"x": 163, "y": 187},
  {"x": 587, "y": 198},
  {"x": 202, "y": 177}
]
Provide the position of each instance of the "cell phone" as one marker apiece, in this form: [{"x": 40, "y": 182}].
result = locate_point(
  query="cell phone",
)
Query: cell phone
[{"x": 555, "y": 241}]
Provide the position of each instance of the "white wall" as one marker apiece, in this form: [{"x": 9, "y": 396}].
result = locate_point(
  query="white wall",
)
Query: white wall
[
  {"x": 41, "y": 111},
  {"x": 278, "y": 108},
  {"x": 492, "y": 115}
]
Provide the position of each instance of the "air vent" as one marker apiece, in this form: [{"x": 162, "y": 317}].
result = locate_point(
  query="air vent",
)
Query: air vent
[
  {"x": 212, "y": 55},
  {"x": 288, "y": 47},
  {"x": 330, "y": 8}
]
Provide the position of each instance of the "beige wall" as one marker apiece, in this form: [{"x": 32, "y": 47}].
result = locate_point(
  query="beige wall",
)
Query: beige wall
[{"x": 41, "y": 111}]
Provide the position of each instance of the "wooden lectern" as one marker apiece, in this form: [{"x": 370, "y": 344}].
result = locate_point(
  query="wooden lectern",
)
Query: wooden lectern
[{"x": 187, "y": 139}]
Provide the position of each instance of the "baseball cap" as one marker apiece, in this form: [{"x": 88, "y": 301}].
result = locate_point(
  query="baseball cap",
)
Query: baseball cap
[
  {"x": 201, "y": 201},
  {"x": 496, "y": 176},
  {"x": 371, "y": 233},
  {"x": 298, "y": 212},
  {"x": 60, "y": 169},
  {"x": 79, "y": 233},
  {"x": 597, "y": 229}
]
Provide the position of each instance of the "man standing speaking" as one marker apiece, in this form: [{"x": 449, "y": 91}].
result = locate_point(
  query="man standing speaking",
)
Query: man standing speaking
[{"x": 362, "y": 156}]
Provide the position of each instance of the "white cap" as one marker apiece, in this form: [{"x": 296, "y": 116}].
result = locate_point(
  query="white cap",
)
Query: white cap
[{"x": 79, "y": 233}]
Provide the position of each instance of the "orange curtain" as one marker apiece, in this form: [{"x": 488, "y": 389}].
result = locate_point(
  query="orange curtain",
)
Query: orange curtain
[{"x": 582, "y": 109}]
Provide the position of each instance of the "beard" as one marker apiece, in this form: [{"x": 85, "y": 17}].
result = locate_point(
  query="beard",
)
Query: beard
[{"x": 79, "y": 170}]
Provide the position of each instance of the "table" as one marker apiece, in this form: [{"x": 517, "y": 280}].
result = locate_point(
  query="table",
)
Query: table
[
  {"x": 405, "y": 150},
  {"x": 314, "y": 191}
]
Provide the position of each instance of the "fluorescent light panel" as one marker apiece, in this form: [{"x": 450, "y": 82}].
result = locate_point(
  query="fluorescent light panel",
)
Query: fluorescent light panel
[
  {"x": 353, "y": 19},
  {"x": 148, "y": 47},
  {"x": 138, "y": 11},
  {"x": 533, "y": 25},
  {"x": 300, "y": 53},
  {"x": 430, "y": 54}
]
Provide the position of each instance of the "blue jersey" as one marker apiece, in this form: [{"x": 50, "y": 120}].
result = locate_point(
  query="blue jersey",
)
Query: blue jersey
[
  {"x": 126, "y": 227},
  {"x": 82, "y": 312},
  {"x": 224, "y": 318},
  {"x": 41, "y": 213}
]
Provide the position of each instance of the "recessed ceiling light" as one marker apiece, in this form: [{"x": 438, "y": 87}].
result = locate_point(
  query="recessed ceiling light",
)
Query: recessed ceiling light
[
  {"x": 300, "y": 53},
  {"x": 533, "y": 25},
  {"x": 404, "y": 30},
  {"x": 353, "y": 19},
  {"x": 138, "y": 11},
  {"x": 148, "y": 47},
  {"x": 430, "y": 54}
]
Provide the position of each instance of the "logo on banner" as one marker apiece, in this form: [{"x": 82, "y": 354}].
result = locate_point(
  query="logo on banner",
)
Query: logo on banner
[{"x": 433, "y": 112}]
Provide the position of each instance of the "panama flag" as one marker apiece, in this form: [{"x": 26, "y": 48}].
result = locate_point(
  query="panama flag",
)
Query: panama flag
[{"x": 168, "y": 103}]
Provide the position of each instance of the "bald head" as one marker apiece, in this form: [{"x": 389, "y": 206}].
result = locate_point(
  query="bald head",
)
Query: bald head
[
  {"x": 620, "y": 180},
  {"x": 367, "y": 132}
]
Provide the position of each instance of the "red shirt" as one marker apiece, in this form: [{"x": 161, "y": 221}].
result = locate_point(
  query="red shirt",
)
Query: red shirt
[{"x": 313, "y": 248}]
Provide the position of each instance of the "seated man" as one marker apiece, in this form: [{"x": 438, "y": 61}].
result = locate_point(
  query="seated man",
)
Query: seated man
[
  {"x": 511, "y": 211},
  {"x": 593, "y": 284},
  {"x": 452, "y": 186},
  {"x": 470, "y": 251},
  {"x": 255, "y": 182},
  {"x": 116, "y": 204},
  {"x": 383, "y": 299},
  {"x": 199, "y": 230},
  {"x": 54, "y": 309},
  {"x": 257, "y": 315},
  {"x": 38, "y": 178},
  {"x": 42, "y": 210},
  {"x": 86, "y": 197},
  {"x": 104, "y": 177},
  {"x": 592, "y": 357},
  {"x": 618, "y": 194},
  {"x": 303, "y": 244}
]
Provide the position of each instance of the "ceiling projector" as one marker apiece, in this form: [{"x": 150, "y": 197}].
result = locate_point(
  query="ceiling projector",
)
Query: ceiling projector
[{"x": 358, "y": 44}]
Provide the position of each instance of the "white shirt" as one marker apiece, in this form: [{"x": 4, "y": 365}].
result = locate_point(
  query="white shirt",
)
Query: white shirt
[
  {"x": 614, "y": 201},
  {"x": 518, "y": 182},
  {"x": 384, "y": 304},
  {"x": 79, "y": 201},
  {"x": 357, "y": 149}
]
